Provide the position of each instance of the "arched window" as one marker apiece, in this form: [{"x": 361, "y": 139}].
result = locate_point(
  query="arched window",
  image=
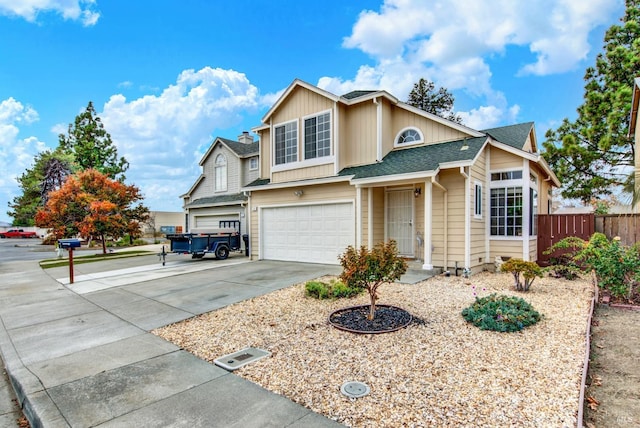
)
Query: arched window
[
  {"x": 409, "y": 136},
  {"x": 221, "y": 173}
]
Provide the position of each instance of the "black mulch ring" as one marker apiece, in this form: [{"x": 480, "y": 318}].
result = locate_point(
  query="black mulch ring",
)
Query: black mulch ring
[{"x": 388, "y": 318}]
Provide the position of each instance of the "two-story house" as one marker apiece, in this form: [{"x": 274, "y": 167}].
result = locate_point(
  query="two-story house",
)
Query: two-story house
[
  {"x": 216, "y": 196},
  {"x": 365, "y": 167}
]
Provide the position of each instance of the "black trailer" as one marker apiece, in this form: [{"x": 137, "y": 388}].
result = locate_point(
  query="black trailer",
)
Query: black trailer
[{"x": 198, "y": 243}]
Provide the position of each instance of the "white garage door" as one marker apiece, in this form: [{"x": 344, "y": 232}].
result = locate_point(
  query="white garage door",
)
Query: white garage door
[{"x": 307, "y": 233}]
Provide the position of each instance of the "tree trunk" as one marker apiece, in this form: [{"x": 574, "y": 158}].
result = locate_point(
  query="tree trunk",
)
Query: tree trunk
[
  {"x": 372, "y": 309},
  {"x": 104, "y": 244}
]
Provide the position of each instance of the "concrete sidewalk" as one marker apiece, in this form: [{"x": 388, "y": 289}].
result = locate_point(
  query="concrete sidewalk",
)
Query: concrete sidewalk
[{"x": 81, "y": 355}]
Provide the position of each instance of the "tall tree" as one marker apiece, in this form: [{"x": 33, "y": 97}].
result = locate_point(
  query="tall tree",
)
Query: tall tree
[
  {"x": 592, "y": 155},
  {"x": 91, "y": 204},
  {"x": 91, "y": 145},
  {"x": 439, "y": 102},
  {"x": 50, "y": 170}
]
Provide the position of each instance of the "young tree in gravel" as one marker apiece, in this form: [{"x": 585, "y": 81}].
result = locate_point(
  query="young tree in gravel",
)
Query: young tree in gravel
[
  {"x": 92, "y": 147},
  {"x": 425, "y": 97},
  {"x": 92, "y": 204},
  {"x": 50, "y": 170},
  {"x": 368, "y": 269},
  {"x": 592, "y": 155}
]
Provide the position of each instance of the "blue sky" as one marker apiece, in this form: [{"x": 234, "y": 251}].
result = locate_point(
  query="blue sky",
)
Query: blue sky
[{"x": 167, "y": 77}]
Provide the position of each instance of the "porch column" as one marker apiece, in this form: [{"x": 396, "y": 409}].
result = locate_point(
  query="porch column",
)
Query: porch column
[
  {"x": 370, "y": 217},
  {"x": 358, "y": 216},
  {"x": 428, "y": 226}
]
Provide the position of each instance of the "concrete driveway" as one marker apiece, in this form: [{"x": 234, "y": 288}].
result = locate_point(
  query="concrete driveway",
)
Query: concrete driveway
[{"x": 81, "y": 354}]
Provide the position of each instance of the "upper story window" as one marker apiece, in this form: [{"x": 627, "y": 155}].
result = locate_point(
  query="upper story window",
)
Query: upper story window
[
  {"x": 506, "y": 175},
  {"x": 286, "y": 143},
  {"x": 253, "y": 163},
  {"x": 221, "y": 173},
  {"x": 317, "y": 136},
  {"x": 409, "y": 136}
]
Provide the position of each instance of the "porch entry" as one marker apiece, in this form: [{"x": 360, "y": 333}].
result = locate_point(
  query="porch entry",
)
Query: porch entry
[{"x": 399, "y": 219}]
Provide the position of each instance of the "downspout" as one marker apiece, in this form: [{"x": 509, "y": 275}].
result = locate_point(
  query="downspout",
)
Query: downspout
[
  {"x": 445, "y": 213},
  {"x": 248, "y": 219},
  {"x": 467, "y": 220},
  {"x": 378, "y": 129},
  {"x": 336, "y": 139},
  {"x": 358, "y": 216}
]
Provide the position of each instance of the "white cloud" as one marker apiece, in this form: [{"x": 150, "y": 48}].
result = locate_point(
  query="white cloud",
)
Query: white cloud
[
  {"x": 16, "y": 153},
  {"x": 163, "y": 136},
  {"x": 75, "y": 10},
  {"x": 451, "y": 42}
]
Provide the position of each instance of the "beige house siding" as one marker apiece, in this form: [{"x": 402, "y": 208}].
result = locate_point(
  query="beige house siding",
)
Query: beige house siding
[
  {"x": 432, "y": 131},
  {"x": 637, "y": 159},
  {"x": 509, "y": 248},
  {"x": 358, "y": 145},
  {"x": 501, "y": 160},
  {"x": 265, "y": 153},
  {"x": 479, "y": 230},
  {"x": 528, "y": 145},
  {"x": 284, "y": 197},
  {"x": 388, "y": 131},
  {"x": 301, "y": 102},
  {"x": 304, "y": 173},
  {"x": 454, "y": 183},
  {"x": 533, "y": 248}
]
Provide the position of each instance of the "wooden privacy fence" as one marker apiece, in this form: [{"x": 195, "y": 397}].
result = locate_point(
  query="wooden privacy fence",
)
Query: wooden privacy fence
[
  {"x": 554, "y": 227},
  {"x": 626, "y": 226}
]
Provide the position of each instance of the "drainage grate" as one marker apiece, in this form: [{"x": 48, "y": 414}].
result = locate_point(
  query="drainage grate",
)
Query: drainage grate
[
  {"x": 354, "y": 389},
  {"x": 241, "y": 358}
]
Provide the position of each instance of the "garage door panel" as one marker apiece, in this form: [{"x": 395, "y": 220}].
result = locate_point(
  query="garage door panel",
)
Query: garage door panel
[{"x": 310, "y": 233}]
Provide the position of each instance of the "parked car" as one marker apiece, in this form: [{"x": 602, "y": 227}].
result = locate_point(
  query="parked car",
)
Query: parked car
[{"x": 18, "y": 233}]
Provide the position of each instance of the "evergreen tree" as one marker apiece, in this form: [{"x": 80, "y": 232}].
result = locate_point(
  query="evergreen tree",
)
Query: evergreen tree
[
  {"x": 425, "y": 97},
  {"x": 592, "y": 154},
  {"x": 92, "y": 147},
  {"x": 50, "y": 170}
]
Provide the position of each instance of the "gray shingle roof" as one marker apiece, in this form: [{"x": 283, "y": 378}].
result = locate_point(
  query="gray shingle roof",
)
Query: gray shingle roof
[
  {"x": 242, "y": 149},
  {"x": 356, "y": 94},
  {"x": 418, "y": 159},
  {"x": 258, "y": 182},
  {"x": 217, "y": 200},
  {"x": 512, "y": 135}
]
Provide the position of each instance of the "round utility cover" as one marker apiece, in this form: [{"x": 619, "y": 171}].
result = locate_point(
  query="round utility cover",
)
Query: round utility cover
[{"x": 355, "y": 389}]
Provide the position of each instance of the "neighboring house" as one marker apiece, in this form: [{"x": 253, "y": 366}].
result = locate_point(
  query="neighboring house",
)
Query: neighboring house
[
  {"x": 364, "y": 167},
  {"x": 634, "y": 132},
  {"x": 163, "y": 222},
  {"x": 226, "y": 167}
]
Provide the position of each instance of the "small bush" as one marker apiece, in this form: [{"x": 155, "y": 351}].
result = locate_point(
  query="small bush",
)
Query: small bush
[
  {"x": 529, "y": 271},
  {"x": 332, "y": 290},
  {"x": 501, "y": 313},
  {"x": 368, "y": 269}
]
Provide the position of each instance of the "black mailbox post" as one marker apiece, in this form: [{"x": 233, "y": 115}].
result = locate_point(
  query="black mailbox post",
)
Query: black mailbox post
[{"x": 69, "y": 245}]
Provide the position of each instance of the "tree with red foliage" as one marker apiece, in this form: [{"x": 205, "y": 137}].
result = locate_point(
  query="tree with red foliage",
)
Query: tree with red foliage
[{"x": 91, "y": 204}]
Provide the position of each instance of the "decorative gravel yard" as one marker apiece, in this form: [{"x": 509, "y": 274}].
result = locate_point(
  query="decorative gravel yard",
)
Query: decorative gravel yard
[{"x": 440, "y": 371}]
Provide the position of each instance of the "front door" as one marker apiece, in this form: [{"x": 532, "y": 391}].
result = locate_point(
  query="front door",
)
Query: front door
[{"x": 399, "y": 218}]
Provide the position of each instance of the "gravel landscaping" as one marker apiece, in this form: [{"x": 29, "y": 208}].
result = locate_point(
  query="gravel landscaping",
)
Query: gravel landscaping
[{"x": 440, "y": 371}]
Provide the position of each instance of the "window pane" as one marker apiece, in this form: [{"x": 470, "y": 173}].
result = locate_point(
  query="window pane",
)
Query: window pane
[{"x": 317, "y": 136}]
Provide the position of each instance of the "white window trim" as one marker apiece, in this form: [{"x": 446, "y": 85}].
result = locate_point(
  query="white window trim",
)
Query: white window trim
[
  {"x": 477, "y": 185},
  {"x": 302, "y": 140},
  {"x": 215, "y": 174},
  {"x": 273, "y": 145},
  {"x": 500, "y": 184},
  {"x": 413, "y": 143},
  {"x": 253, "y": 168}
]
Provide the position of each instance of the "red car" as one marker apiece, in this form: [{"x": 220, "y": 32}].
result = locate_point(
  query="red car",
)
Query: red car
[{"x": 17, "y": 233}]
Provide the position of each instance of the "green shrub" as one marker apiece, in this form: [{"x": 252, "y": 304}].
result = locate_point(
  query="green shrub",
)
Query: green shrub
[
  {"x": 617, "y": 268},
  {"x": 332, "y": 290},
  {"x": 366, "y": 269},
  {"x": 501, "y": 313},
  {"x": 529, "y": 271}
]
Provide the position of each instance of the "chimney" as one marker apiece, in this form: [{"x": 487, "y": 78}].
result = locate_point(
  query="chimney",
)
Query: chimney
[{"x": 245, "y": 138}]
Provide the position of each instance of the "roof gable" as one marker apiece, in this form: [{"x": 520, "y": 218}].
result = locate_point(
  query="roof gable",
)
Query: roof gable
[
  {"x": 240, "y": 150},
  {"x": 514, "y": 135}
]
